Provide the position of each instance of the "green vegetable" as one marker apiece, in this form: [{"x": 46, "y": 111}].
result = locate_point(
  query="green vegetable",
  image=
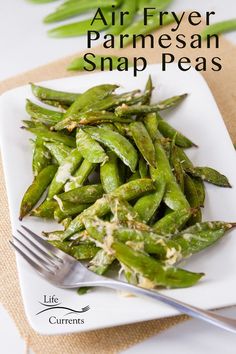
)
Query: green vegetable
[
  {"x": 36, "y": 190},
  {"x": 219, "y": 27}
]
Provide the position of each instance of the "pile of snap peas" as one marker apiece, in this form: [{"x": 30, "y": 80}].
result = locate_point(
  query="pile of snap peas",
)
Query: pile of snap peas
[
  {"x": 73, "y": 8},
  {"x": 115, "y": 174}
]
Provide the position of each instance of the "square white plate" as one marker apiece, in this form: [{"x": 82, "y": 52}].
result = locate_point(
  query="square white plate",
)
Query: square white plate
[{"x": 199, "y": 118}]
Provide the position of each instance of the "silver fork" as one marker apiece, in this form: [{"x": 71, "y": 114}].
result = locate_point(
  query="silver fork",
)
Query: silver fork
[{"x": 64, "y": 271}]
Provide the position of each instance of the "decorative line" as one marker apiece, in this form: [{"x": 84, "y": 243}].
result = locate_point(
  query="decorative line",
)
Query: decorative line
[
  {"x": 84, "y": 309},
  {"x": 51, "y": 305}
]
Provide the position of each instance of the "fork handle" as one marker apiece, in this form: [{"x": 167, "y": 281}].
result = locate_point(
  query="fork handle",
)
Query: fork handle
[{"x": 223, "y": 322}]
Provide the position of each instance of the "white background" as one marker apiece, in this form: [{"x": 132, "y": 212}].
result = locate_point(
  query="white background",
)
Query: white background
[{"x": 24, "y": 46}]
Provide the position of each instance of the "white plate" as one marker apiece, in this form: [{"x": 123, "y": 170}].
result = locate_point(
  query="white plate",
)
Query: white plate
[{"x": 198, "y": 117}]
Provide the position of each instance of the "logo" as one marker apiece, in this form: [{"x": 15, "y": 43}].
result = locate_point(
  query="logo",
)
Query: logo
[{"x": 51, "y": 305}]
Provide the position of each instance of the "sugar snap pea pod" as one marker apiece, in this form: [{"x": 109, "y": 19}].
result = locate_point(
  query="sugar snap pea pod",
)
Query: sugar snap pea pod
[
  {"x": 128, "y": 191},
  {"x": 199, "y": 185},
  {"x": 122, "y": 211},
  {"x": 43, "y": 115},
  {"x": 68, "y": 209},
  {"x": 148, "y": 91},
  {"x": 150, "y": 269},
  {"x": 45, "y": 210},
  {"x": 71, "y": 9},
  {"x": 191, "y": 194},
  {"x": 96, "y": 117},
  {"x": 130, "y": 7},
  {"x": 76, "y": 29},
  {"x": 143, "y": 168},
  {"x": 59, "y": 151},
  {"x": 80, "y": 176},
  {"x": 80, "y": 252},
  {"x": 150, "y": 122},
  {"x": 174, "y": 197},
  {"x": 83, "y": 103},
  {"x": 125, "y": 110},
  {"x": 147, "y": 205},
  {"x": 169, "y": 132},
  {"x": 65, "y": 170},
  {"x": 113, "y": 100},
  {"x": 183, "y": 158},
  {"x": 219, "y": 27},
  {"x": 44, "y": 93},
  {"x": 41, "y": 157},
  {"x": 172, "y": 223},
  {"x": 176, "y": 165},
  {"x": 101, "y": 262},
  {"x": 116, "y": 143},
  {"x": 201, "y": 235},
  {"x": 143, "y": 142},
  {"x": 138, "y": 27},
  {"x": 82, "y": 195},
  {"x": 48, "y": 135},
  {"x": 210, "y": 175},
  {"x": 78, "y": 64},
  {"x": 36, "y": 189},
  {"x": 90, "y": 149},
  {"x": 109, "y": 173}
]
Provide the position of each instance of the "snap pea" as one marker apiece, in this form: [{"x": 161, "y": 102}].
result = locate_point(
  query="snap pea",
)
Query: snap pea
[
  {"x": 45, "y": 210},
  {"x": 96, "y": 117},
  {"x": 80, "y": 176},
  {"x": 142, "y": 168},
  {"x": 71, "y": 9},
  {"x": 126, "y": 110},
  {"x": 150, "y": 122},
  {"x": 174, "y": 197},
  {"x": 80, "y": 252},
  {"x": 44, "y": 93},
  {"x": 148, "y": 268},
  {"x": 171, "y": 223},
  {"x": 82, "y": 195},
  {"x": 43, "y": 115},
  {"x": 148, "y": 91},
  {"x": 138, "y": 27},
  {"x": 109, "y": 173},
  {"x": 59, "y": 151},
  {"x": 191, "y": 194},
  {"x": 131, "y": 8},
  {"x": 176, "y": 165},
  {"x": 169, "y": 132},
  {"x": 89, "y": 148},
  {"x": 66, "y": 210},
  {"x": 41, "y": 157},
  {"x": 196, "y": 238},
  {"x": 219, "y": 27},
  {"x": 36, "y": 189},
  {"x": 78, "y": 64},
  {"x": 210, "y": 175},
  {"x": 48, "y": 135},
  {"x": 65, "y": 170},
  {"x": 101, "y": 262},
  {"x": 83, "y": 103},
  {"x": 128, "y": 191},
  {"x": 183, "y": 158},
  {"x": 122, "y": 211},
  {"x": 116, "y": 143},
  {"x": 147, "y": 205},
  {"x": 199, "y": 185},
  {"x": 76, "y": 29},
  {"x": 143, "y": 142}
]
